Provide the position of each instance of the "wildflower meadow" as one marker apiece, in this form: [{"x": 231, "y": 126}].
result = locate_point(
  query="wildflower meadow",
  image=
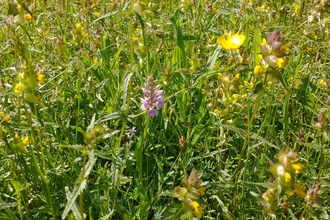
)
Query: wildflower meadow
[{"x": 162, "y": 109}]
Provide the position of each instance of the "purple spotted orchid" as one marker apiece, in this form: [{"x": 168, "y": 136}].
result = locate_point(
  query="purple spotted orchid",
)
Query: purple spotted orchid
[{"x": 153, "y": 97}]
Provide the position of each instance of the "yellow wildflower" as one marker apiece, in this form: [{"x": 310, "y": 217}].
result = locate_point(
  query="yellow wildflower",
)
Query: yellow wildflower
[
  {"x": 235, "y": 96},
  {"x": 202, "y": 189},
  {"x": 233, "y": 41},
  {"x": 19, "y": 8},
  {"x": 27, "y": 17},
  {"x": 245, "y": 96},
  {"x": 301, "y": 194},
  {"x": 264, "y": 41},
  {"x": 40, "y": 78},
  {"x": 7, "y": 118},
  {"x": 19, "y": 88},
  {"x": 297, "y": 186},
  {"x": 281, "y": 63},
  {"x": 287, "y": 177},
  {"x": 26, "y": 140},
  {"x": 220, "y": 75},
  {"x": 258, "y": 70},
  {"x": 286, "y": 48},
  {"x": 197, "y": 210},
  {"x": 290, "y": 194},
  {"x": 298, "y": 167}
]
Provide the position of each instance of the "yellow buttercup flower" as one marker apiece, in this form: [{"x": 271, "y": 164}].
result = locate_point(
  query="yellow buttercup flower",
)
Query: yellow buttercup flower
[{"x": 232, "y": 42}]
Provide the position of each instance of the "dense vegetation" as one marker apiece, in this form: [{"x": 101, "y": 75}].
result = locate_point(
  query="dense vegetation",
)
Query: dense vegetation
[{"x": 164, "y": 109}]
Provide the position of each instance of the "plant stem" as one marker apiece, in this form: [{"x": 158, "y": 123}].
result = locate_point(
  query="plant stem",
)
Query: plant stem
[{"x": 245, "y": 144}]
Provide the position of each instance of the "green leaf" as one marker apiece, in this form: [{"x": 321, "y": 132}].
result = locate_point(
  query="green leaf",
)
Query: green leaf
[
  {"x": 211, "y": 73},
  {"x": 112, "y": 116},
  {"x": 8, "y": 205},
  {"x": 226, "y": 11},
  {"x": 279, "y": 76},
  {"x": 108, "y": 15},
  {"x": 180, "y": 39},
  {"x": 258, "y": 88},
  {"x": 75, "y": 208},
  {"x": 126, "y": 85},
  {"x": 71, "y": 200},
  {"x": 92, "y": 124},
  {"x": 222, "y": 206},
  {"x": 294, "y": 65},
  {"x": 105, "y": 50},
  {"x": 256, "y": 47},
  {"x": 252, "y": 136},
  {"x": 79, "y": 188},
  {"x": 211, "y": 61},
  {"x": 285, "y": 116},
  {"x": 177, "y": 57}
]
